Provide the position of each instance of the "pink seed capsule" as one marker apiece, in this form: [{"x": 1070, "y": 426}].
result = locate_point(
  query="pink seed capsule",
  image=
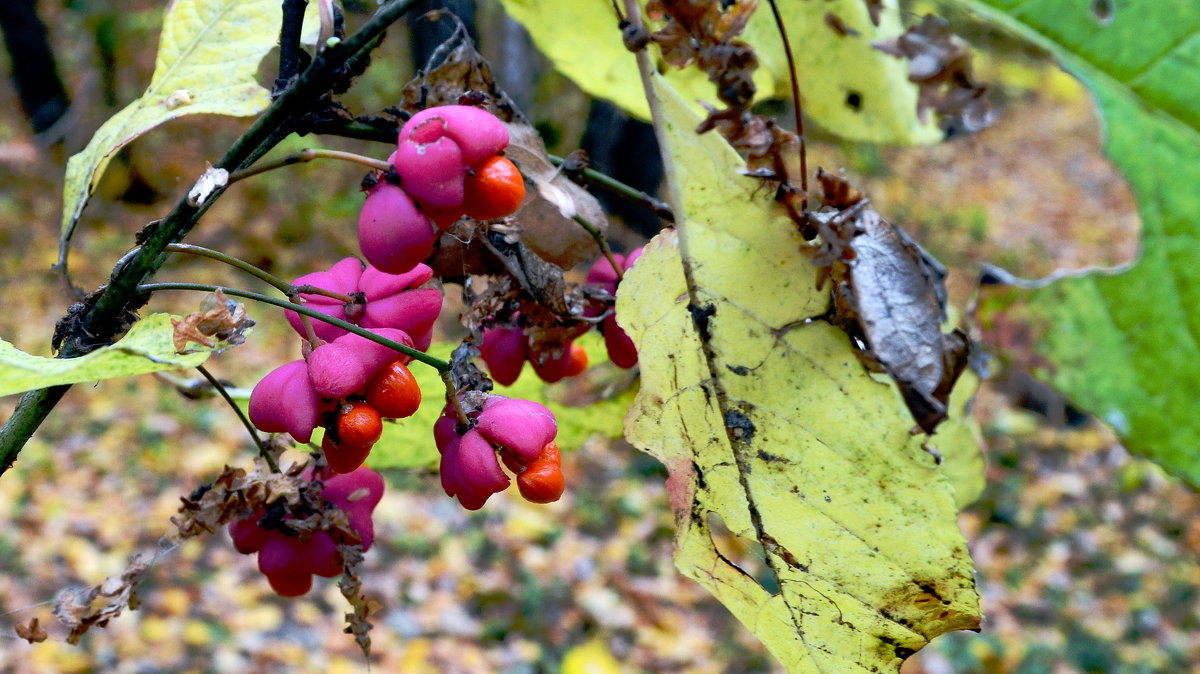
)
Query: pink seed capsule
[
  {"x": 393, "y": 234},
  {"x": 284, "y": 400},
  {"x": 432, "y": 173},
  {"x": 477, "y": 132},
  {"x": 521, "y": 425},
  {"x": 503, "y": 350}
]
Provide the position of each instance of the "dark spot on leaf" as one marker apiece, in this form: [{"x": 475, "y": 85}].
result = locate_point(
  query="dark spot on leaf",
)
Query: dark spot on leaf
[
  {"x": 929, "y": 589},
  {"x": 1103, "y": 10},
  {"x": 838, "y": 26},
  {"x": 740, "y": 370},
  {"x": 854, "y": 101},
  {"x": 904, "y": 652},
  {"x": 769, "y": 457},
  {"x": 740, "y": 427},
  {"x": 700, "y": 316}
]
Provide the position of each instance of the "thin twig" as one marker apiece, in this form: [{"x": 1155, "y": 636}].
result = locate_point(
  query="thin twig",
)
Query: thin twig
[
  {"x": 276, "y": 282},
  {"x": 656, "y": 206},
  {"x": 307, "y": 155},
  {"x": 598, "y": 237},
  {"x": 292, "y": 291},
  {"x": 452, "y": 397},
  {"x": 262, "y": 448},
  {"x": 787, "y": 51},
  {"x": 307, "y": 289}
]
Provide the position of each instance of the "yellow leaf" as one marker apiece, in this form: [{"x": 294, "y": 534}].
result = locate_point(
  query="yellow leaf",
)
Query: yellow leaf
[
  {"x": 591, "y": 657},
  {"x": 207, "y": 61},
  {"x": 764, "y": 417}
]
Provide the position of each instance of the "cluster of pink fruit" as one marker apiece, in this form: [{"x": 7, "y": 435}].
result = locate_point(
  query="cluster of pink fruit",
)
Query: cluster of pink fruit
[
  {"x": 288, "y": 560},
  {"x": 446, "y": 166},
  {"x": 506, "y": 350}
]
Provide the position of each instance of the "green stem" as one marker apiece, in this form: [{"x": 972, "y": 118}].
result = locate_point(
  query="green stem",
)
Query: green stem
[
  {"x": 655, "y": 206},
  {"x": 262, "y": 449},
  {"x": 308, "y": 155},
  {"x": 452, "y": 397},
  {"x": 437, "y": 363},
  {"x": 276, "y": 282},
  {"x": 292, "y": 291},
  {"x": 598, "y": 236},
  {"x": 317, "y": 290}
]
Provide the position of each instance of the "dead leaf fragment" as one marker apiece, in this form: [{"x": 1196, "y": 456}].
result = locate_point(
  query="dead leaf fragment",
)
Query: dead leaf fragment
[
  {"x": 218, "y": 317},
  {"x": 939, "y": 62},
  {"x": 80, "y": 609},
  {"x": 889, "y": 296},
  {"x": 31, "y": 631}
]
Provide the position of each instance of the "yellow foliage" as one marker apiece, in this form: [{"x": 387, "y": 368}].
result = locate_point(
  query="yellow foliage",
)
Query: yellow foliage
[
  {"x": 768, "y": 420},
  {"x": 591, "y": 657}
]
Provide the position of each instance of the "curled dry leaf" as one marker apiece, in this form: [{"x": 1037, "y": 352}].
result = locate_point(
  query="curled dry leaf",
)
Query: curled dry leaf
[
  {"x": 80, "y": 609},
  {"x": 546, "y": 215},
  {"x": 939, "y": 62},
  {"x": 889, "y": 296},
  {"x": 219, "y": 317},
  {"x": 31, "y": 631},
  {"x": 456, "y": 69}
]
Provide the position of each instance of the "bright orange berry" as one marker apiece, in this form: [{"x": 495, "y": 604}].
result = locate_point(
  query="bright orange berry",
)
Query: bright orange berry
[
  {"x": 495, "y": 190},
  {"x": 344, "y": 457},
  {"x": 542, "y": 480},
  {"x": 359, "y": 424},
  {"x": 394, "y": 392},
  {"x": 578, "y": 360}
]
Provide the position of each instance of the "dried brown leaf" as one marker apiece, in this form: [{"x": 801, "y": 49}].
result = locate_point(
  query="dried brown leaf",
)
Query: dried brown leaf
[
  {"x": 889, "y": 296},
  {"x": 218, "y": 317},
  {"x": 546, "y": 215},
  {"x": 31, "y": 631},
  {"x": 358, "y": 621},
  {"x": 939, "y": 62},
  {"x": 80, "y": 609},
  {"x": 235, "y": 494}
]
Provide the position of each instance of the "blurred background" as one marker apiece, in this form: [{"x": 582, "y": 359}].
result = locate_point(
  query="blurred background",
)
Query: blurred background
[{"x": 1086, "y": 557}]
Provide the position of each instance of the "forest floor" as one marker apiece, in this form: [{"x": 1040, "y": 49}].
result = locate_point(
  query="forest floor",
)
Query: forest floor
[{"x": 1086, "y": 557}]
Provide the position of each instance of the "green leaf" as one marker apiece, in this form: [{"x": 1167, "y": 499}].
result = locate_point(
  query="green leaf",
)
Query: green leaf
[
  {"x": 770, "y": 421},
  {"x": 207, "y": 60},
  {"x": 408, "y": 443},
  {"x": 148, "y": 347},
  {"x": 1125, "y": 346},
  {"x": 582, "y": 40}
]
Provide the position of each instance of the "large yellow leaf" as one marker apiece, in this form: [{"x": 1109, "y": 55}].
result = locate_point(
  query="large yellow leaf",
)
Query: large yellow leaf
[
  {"x": 848, "y": 87},
  {"x": 768, "y": 420},
  {"x": 207, "y": 61}
]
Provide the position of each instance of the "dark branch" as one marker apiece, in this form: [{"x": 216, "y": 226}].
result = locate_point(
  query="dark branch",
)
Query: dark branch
[{"x": 289, "y": 44}]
